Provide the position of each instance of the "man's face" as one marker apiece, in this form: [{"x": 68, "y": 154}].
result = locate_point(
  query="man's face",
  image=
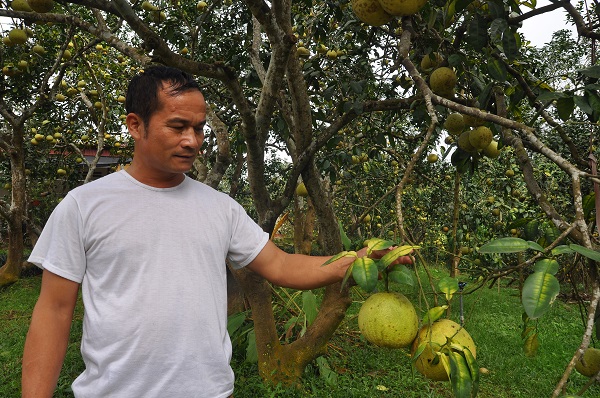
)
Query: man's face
[{"x": 167, "y": 146}]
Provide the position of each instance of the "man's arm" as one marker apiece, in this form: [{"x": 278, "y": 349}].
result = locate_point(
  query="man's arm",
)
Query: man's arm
[
  {"x": 304, "y": 272},
  {"x": 48, "y": 336}
]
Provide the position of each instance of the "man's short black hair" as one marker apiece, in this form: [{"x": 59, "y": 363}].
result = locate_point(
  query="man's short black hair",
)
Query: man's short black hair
[{"x": 142, "y": 93}]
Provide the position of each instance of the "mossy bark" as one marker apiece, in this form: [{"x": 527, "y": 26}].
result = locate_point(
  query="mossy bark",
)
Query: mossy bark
[{"x": 285, "y": 363}]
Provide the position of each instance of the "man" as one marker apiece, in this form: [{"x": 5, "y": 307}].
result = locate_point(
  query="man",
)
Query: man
[{"x": 148, "y": 246}]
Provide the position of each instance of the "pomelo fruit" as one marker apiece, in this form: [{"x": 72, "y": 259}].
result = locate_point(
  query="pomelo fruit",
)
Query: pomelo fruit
[
  {"x": 591, "y": 357},
  {"x": 370, "y": 12},
  {"x": 435, "y": 336},
  {"x": 388, "y": 319}
]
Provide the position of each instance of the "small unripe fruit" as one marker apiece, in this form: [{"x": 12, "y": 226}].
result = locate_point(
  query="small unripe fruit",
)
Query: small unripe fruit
[
  {"x": 17, "y": 36},
  {"x": 201, "y": 6}
]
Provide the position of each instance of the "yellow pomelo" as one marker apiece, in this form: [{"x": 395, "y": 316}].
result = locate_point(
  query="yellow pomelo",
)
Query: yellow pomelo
[
  {"x": 454, "y": 123},
  {"x": 435, "y": 336},
  {"x": 370, "y": 12},
  {"x": 301, "y": 190},
  {"x": 591, "y": 357},
  {"x": 388, "y": 319},
  {"x": 41, "y": 6},
  {"x": 432, "y": 158},
  {"x": 464, "y": 142},
  {"x": 432, "y": 60},
  {"x": 492, "y": 151},
  {"x": 481, "y": 137},
  {"x": 442, "y": 81},
  {"x": 402, "y": 7}
]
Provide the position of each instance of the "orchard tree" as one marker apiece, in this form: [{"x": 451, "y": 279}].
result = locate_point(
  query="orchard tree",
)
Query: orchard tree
[
  {"x": 312, "y": 79},
  {"x": 55, "y": 105}
]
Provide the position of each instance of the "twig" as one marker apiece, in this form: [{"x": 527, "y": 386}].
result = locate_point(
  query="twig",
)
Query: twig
[{"x": 584, "y": 343}]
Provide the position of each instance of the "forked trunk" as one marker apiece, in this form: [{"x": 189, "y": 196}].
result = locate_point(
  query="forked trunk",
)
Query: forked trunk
[{"x": 285, "y": 363}]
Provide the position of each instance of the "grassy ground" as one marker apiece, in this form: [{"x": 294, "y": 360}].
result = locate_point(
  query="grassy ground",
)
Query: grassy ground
[{"x": 493, "y": 318}]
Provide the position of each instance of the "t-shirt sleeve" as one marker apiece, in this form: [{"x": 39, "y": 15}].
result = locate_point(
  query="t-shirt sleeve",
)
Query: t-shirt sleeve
[
  {"x": 60, "y": 248},
  {"x": 247, "y": 238}
]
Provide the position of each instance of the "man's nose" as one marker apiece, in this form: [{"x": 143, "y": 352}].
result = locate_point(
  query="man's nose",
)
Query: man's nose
[{"x": 191, "y": 139}]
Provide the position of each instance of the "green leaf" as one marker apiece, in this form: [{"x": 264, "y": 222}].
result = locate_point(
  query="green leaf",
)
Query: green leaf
[
  {"x": 531, "y": 345},
  {"x": 326, "y": 373},
  {"x": 510, "y": 44},
  {"x": 562, "y": 249},
  {"x": 420, "y": 348},
  {"x": 592, "y": 71},
  {"x": 589, "y": 204},
  {"x": 547, "y": 96},
  {"x": 474, "y": 369},
  {"x": 546, "y": 265},
  {"x": 340, "y": 255},
  {"x": 505, "y": 245},
  {"x": 539, "y": 291},
  {"x": 460, "y": 376},
  {"x": 531, "y": 229},
  {"x": 251, "y": 352},
  {"x": 497, "y": 27},
  {"x": 393, "y": 255},
  {"x": 378, "y": 244},
  {"x": 583, "y": 104},
  {"x": 461, "y": 5},
  {"x": 347, "y": 275},
  {"x": 565, "y": 107},
  {"x": 400, "y": 273},
  {"x": 535, "y": 246},
  {"x": 356, "y": 87},
  {"x": 309, "y": 306},
  {"x": 527, "y": 331},
  {"x": 497, "y": 70},
  {"x": 448, "y": 286},
  {"x": 434, "y": 314},
  {"x": 345, "y": 240},
  {"x": 365, "y": 273},
  {"x": 584, "y": 251},
  {"x": 235, "y": 321},
  {"x": 477, "y": 33},
  {"x": 461, "y": 160}
]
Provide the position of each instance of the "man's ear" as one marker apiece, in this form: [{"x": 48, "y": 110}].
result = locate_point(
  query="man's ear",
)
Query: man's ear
[{"x": 135, "y": 125}]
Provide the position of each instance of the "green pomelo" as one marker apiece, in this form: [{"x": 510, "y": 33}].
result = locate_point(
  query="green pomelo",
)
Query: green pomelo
[
  {"x": 473, "y": 121},
  {"x": 41, "y": 6},
  {"x": 17, "y": 36},
  {"x": 442, "y": 81},
  {"x": 388, "y": 319},
  {"x": 454, "y": 123},
  {"x": 432, "y": 60},
  {"x": 20, "y": 5},
  {"x": 591, "y": 358},
  {"x": 464, "y": 142},
  {"x": 481, "y": 137}
]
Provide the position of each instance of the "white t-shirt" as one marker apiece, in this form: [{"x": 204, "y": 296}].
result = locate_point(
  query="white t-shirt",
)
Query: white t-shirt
[{"x": 151, "y": 263}]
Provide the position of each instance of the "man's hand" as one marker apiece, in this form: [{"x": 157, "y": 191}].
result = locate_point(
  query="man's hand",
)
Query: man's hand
[{"x": 377, "y": 254}]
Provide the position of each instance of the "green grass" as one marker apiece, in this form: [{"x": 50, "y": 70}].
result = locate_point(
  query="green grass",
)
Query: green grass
[{"x": 492, "y": 317}]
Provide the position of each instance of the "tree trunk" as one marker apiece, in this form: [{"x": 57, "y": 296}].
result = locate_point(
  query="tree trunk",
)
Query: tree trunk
[
  {"x": 11, "y": 270},
  {"x": 285, "y": 364},
  {"x": 304, "y": 223}
]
